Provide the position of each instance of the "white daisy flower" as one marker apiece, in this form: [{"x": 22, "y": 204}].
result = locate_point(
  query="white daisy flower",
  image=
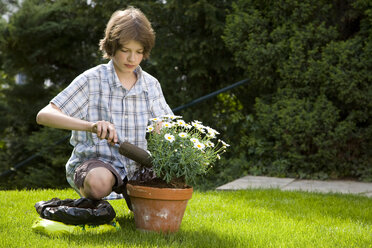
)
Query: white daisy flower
[
  {"x": 194, "y": 140},
  {"x": 169, "y": 137},
  {"x": 175, "y": 117},
  {"x": 224, "y": 144},
  {"x": 149, "y": 129},
  {"x": 209, "y": 144},
  {"x": 165, "y": 117},
  {"x": 167, "y": 124},
  {"x": 155, "y": 120},
  {"x": 195, "y": 124},
  {"x": 182, "y": 135},
  {"x": 199, "y": 145},
  {"x": 172, "y": 117},
  {"x": 181, "y": 123},
  {"x": 201, "y": 129},
  {"x": 212, "y": 132},
  {"x": 198, "y": 125},
  {"x": 211, "y": 136},
  {"x": 218, "y": 156},
  {"x": 188, "y": 126}
]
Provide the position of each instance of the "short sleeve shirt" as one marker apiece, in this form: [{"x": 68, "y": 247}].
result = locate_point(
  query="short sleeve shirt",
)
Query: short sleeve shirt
[{"x": 96, "y": 95}]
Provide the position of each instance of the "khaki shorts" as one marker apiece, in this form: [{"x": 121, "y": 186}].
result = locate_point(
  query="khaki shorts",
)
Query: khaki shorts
[{"x": 82, "y": 171}]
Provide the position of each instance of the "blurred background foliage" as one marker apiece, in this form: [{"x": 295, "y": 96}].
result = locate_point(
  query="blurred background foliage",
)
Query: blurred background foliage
[{"x": 305, "y": 112}]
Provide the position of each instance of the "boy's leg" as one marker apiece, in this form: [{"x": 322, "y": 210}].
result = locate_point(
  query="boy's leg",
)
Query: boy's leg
[
  {"x": 96, "y": 179},
  {"x": 98, "y": 183},
  {"x": 123, "y": 190}
]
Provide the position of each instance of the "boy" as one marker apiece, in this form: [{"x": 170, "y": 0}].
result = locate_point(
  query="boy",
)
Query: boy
[{"x": 109, "y": 103}]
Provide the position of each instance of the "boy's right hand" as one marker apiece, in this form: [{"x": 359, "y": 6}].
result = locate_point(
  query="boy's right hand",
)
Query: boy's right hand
[{"x": 105, "y": 130}]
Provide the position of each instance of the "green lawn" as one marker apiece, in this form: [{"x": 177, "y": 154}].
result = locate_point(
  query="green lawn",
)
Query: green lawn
[{"x": 249, "y": 218}]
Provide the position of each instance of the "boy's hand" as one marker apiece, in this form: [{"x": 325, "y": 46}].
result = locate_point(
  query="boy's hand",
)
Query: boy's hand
[
  {"x": 105, "y": 130},
  {"x": 158, "y": 126}
]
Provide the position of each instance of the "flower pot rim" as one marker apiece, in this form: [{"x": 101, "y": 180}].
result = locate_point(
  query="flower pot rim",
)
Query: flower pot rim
[{"x": 150, "y": 192}]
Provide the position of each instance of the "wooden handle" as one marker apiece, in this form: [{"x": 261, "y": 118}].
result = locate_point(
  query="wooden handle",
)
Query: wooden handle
[
  {"x": 135, "y": 153},
  {"x": 94, "y": 129}
]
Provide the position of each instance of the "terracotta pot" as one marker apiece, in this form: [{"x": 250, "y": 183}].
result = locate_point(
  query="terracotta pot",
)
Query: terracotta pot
[{"x": 158, "y": 209}]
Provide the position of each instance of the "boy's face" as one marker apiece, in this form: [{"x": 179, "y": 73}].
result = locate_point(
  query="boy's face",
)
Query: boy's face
[{"x": 128, "y": 57}]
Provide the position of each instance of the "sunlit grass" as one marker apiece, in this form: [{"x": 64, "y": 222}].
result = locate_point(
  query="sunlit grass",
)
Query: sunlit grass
[{"x": 250, "y": 218}]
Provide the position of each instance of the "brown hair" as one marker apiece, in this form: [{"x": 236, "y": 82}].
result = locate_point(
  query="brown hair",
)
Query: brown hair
[{"x": 126, "y": 25}]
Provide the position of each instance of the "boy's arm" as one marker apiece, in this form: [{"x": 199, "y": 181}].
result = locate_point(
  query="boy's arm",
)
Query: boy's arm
[
  {"x": 160, "y": 106},
  {"x": 52, "y": 116}
]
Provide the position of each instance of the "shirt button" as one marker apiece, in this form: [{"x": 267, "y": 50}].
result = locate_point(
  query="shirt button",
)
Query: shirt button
[{"x": 125, "y": 116}]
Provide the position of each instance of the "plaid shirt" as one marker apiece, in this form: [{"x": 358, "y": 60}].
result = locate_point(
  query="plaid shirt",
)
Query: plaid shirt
[{"x": 97, "y": 94}]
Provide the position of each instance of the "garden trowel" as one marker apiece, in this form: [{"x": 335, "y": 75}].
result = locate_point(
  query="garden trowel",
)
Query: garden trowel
[{"x": 135, "y": 153}]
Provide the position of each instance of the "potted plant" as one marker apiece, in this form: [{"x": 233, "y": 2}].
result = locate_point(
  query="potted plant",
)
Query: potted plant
[{"x": 180, "y": 151}]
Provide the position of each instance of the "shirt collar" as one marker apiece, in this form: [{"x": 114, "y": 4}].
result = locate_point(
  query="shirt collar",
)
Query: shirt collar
[{"x": 137, "y": 88}]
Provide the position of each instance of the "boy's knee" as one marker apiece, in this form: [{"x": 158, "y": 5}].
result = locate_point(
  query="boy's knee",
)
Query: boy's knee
[{"x": 97, "y": 184}]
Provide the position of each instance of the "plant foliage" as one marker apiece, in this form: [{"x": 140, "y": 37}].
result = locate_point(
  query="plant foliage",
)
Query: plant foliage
[
  {"x": 182, "y": 150},
  {"x": 311, "y": 62}
]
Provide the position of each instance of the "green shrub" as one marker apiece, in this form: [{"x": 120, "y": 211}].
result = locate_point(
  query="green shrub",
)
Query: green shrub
[{"x": 310, "y": 63}]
